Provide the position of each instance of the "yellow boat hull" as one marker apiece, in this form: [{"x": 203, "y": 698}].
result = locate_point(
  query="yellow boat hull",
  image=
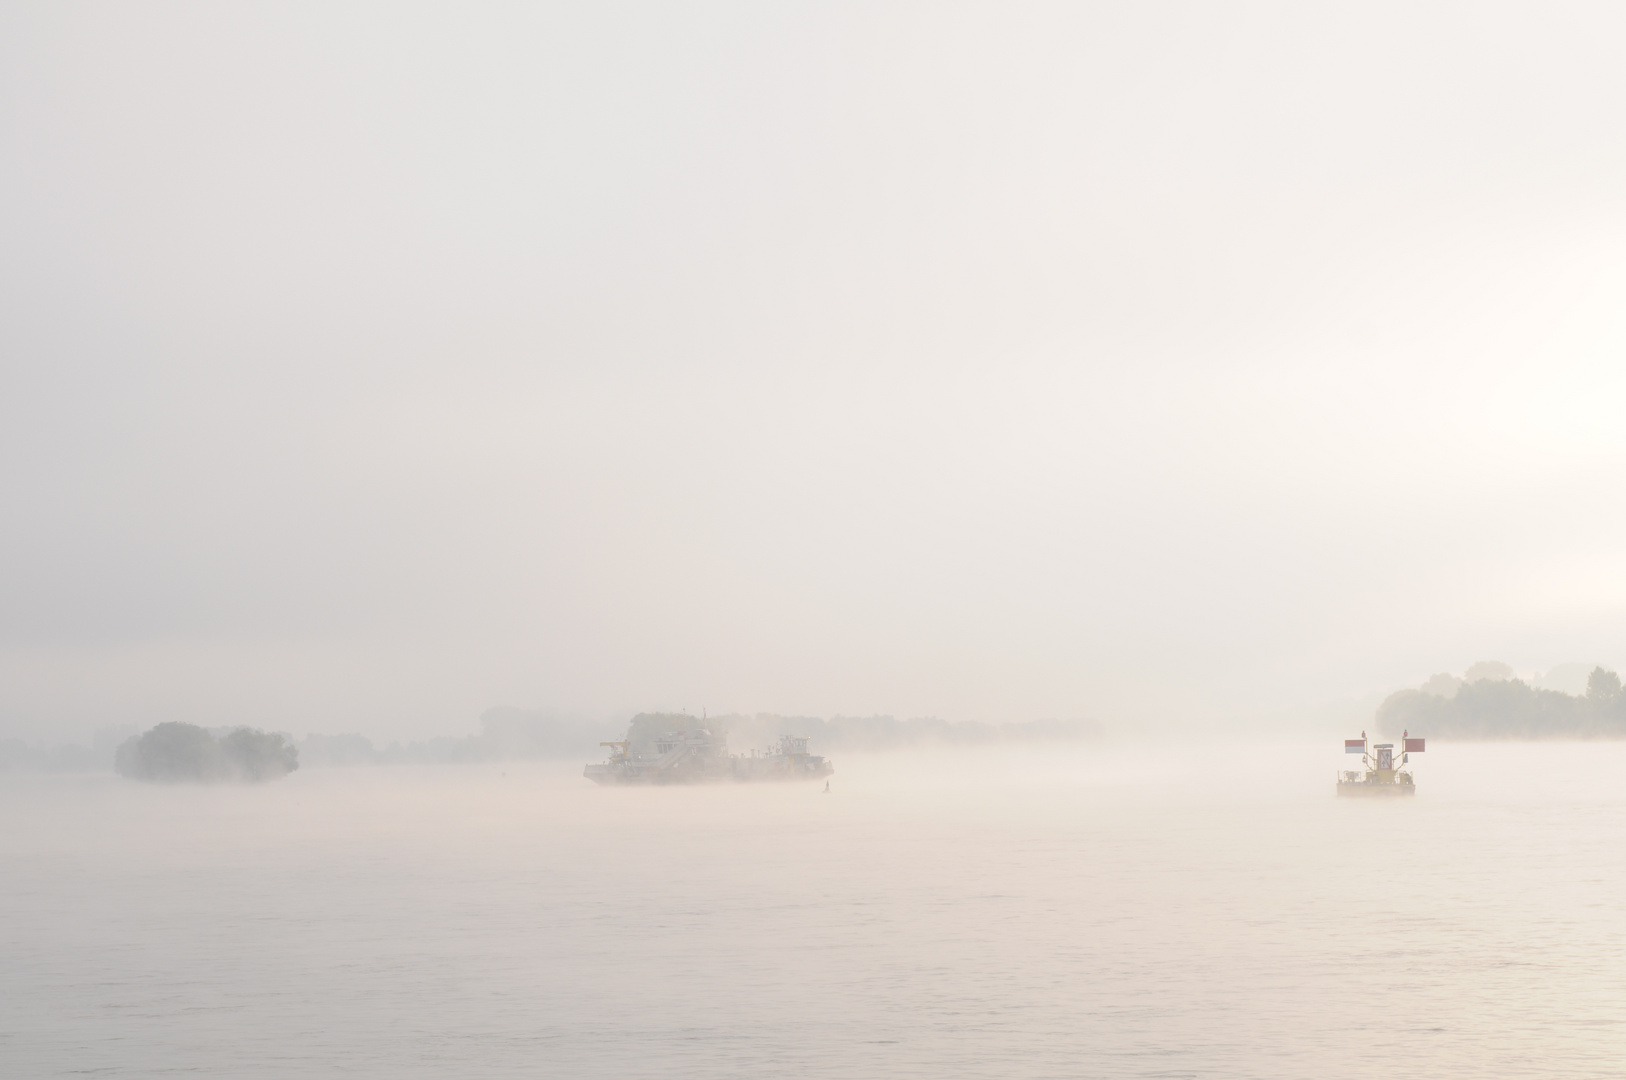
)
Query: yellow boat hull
[{"x": 1380, "y": 791}]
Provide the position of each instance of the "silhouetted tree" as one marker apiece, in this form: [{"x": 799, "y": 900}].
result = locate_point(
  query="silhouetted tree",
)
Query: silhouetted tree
[
  {"x": 1602, "y": 687},
  {"x": 178, "y": 753},
  {"x": 1493, "y": 670},
  {"x": 170, "y": 753},
  {"x": 1495, "y": 708},
  {"x": 259, "y": 755}
]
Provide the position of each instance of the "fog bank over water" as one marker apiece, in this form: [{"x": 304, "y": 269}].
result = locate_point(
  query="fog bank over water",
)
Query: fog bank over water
[
  {"x": 1489, "y": 700},
  {"x": 974, "y": 912},
  {"x": 364, "y": 365}
]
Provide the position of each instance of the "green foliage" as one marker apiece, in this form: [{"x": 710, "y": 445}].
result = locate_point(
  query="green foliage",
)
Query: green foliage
[
  {"x": 258, "y": 755},
  {"x": 1491, "y": 670},
  {"x": 185, "y": 753},
  {"x": 1509, "y": 709},
  {"x": 1602, "y": 687}
]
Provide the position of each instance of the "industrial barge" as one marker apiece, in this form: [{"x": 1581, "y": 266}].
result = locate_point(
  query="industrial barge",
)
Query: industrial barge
[
  {"x": 1382, "y": 775},
  {"x": 697, "y": 756}
]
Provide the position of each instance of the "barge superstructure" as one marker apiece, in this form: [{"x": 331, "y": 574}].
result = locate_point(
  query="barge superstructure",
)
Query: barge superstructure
[
  {"x": 1384, "y": 774},
  {"x": 696, "y": 755}
]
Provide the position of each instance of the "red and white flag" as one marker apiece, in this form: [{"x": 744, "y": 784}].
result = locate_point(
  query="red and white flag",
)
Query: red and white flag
[
  {"x": 1414, "y": 746},
  {"x": 1358, "y": 746}
]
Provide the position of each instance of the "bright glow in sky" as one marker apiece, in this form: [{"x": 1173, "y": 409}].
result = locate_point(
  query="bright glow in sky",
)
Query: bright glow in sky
[{"x": 363, "y": 367}]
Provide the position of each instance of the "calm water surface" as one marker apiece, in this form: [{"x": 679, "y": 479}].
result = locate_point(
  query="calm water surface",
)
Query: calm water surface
[{"x": 1035, "y": 913}]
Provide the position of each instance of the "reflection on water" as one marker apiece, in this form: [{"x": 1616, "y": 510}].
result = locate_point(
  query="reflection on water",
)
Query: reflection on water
[{"x": 1065, "y": 912}]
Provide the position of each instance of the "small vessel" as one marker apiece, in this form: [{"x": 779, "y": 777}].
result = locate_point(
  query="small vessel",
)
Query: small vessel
[
  {"x": 697, "y": 755},
  {"x": 1383, "y": 775}
]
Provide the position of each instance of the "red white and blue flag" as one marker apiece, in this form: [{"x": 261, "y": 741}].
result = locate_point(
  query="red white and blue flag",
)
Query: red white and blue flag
[{"x": 1357, "y": 746}]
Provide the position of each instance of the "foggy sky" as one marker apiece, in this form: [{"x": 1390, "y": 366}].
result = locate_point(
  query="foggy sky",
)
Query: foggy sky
[{"x": 365, "y": 366}]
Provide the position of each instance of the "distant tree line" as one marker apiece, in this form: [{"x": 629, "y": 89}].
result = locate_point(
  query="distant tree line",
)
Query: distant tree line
[
  {"x": 18, "y": 756},
  {"x": 509, "y": 734},
  {"x": 173, "y": 752},
  {"x": 505, "y": 734},
  {"x": 882, "y": 732},
  {"x": 179, "y": 753},
  {"x": 1509, "y": 708}
]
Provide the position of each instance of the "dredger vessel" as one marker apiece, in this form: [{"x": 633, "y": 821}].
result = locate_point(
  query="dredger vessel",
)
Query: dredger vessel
[
  {"x": 1382, "y": 775},
  {"x": 696, "y": 756}
]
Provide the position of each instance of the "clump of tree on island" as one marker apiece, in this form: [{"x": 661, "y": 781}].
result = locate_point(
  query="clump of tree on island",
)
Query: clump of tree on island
[
  {"x": 1490, "y": 702},
  {"x": 185, "y": 753}
]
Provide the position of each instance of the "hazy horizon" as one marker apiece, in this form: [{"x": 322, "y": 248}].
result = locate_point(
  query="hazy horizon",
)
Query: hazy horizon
[
  {"x": 1104, "y": 913},
  {"x": 368, "y": 367}
]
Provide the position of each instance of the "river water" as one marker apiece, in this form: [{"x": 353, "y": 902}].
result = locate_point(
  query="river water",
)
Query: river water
[{"x": 1039, "y": 912}]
